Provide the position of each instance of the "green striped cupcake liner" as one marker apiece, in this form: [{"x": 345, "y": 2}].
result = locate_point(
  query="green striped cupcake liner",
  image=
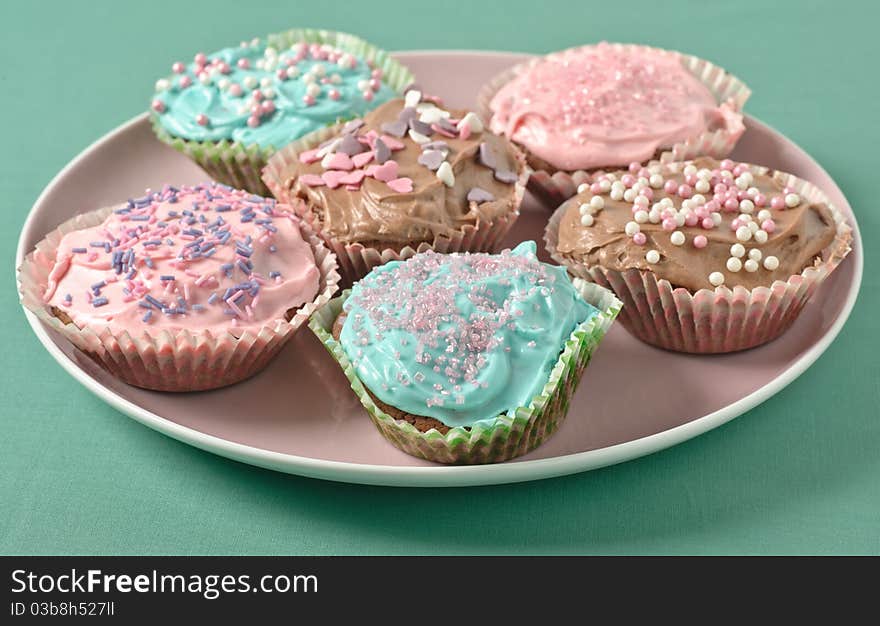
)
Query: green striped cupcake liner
[
  {"x": 511, "y": 435},
  {"x": 238, "y": 165}
]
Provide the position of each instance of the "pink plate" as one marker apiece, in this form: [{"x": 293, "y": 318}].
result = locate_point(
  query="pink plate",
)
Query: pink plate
[{"x": 299, "y": 416}]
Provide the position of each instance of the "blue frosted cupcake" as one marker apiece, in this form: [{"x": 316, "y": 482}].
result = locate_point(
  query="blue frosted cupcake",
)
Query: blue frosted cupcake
[
  {"x": 231, "y": 110},
  {"x": 466, "y": 358}
]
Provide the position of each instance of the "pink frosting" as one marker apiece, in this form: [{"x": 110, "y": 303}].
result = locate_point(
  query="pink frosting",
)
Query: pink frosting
[
  {"x": 196, "y": 258},
  {"x": 603, "y": 105}
]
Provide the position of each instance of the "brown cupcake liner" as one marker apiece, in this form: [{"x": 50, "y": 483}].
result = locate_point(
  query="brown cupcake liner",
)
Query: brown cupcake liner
[
  {"x": 167, "y": 360},
  {"x": 239, "y": 165},
  {"x": 510, "y": 435},
  {"x": 356, "y": 259},
  {"x": 719, "y": 320},
  {"x": 729, "y": 91}
]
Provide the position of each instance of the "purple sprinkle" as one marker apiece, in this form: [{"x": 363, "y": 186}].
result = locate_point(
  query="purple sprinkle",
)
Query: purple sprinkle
[
  {"x": 383, "y": 152},
  {"x": 272, "y": 248},
  {"x": 407, "y": 114},
  {"x": 431, "y": 159},
  {"x": 478, "y": 194},
  {"x": 506, "y": 176},
  {"x": 100, "y": 301},
  {"x": 198, "y": 307},
  {"x": 487, "y": 157},
  {"x": 421, "y": 127},
  {"x": 352, "y": 126},
  {"x": 446, "y": 125},
  {"x": 147, "y": 316},
  {"x": 145, "y": 304},
  {"x": 435, "y": 145},
  {"x": 167, "y": 277},
  {"x": 397, "y": 129},
  {"x": 212, "y": 298},
  {"x": 79, "y": 250},
  {"x": 274, "y": 274}
]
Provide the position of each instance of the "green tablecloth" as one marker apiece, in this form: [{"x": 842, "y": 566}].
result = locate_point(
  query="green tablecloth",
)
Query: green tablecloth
[{"x": 799, "y": 474}]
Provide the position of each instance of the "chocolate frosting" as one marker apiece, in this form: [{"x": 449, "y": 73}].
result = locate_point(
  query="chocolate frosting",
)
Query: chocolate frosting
[
  {"x": 801, "y": 233},
  {"x": 374, "y": 212}
]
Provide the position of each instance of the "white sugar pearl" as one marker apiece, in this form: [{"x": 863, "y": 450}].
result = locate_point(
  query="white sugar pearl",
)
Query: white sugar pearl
[
  {"x": 205, "y": 79},
  {"x": 738, "y": 250},
  {"x": 654, "y": 216},
  {"x": 746, "y": 206},
  {"x": 292, "y": 71},
  {"x": 656, "y": 181},
  {"x": 631, "y": 228},
  {"x": 268, "y": 93},
  {"x": 755, "y": 254},
  {"x": 679, "y": 219},
  {"x": 335, "y": 79},
  {"x": 641, "y": 200},
  {"x": 444, "y": 173},
  {"x": 677, "y": 238},
  {"x": 584, "y": 209},
  {"x": 716, "y": 217},
  {"x": 611, "y": 177},
  {"x": 704, "y": 174},
  {"x": 771, "y": 263},
  {"x": 307, "y": 78},
  {"x": 616, "y": 194},
  {"x": 618, "y": 185},
  {"x": 745, "y": 218},
  {"x": 604, "y": 185},
  {"x": 363, "y": 85},
  {"x": 344, "y": 60},
  {"x": 652, "y": 256},
  {"x": 318, "y": 69},
  {"x": 641, "y": 217},
  {"x": 761, "y": 236},
  {"x": 270, "y": 51},
  {"x": 244, "y": 109},
  {"x": 163, "y": 84},
  {"x": 586, "y": 220},
  {"x": 629, "y": 195},
  {"x": 313, "y": 89},
  {"x": 597, "y": 202},
  {"x": 743, "y": 233},
  {"x": 689, "y": 170},
  {"x": 687, "y": 205},
  {"x": 260, "y": 64},
  {"x": 702, "y": 186},
  {"x": 223, "y": 84},
  {"x": 751, "y": 265},
  {"x": 792, "y": 200},
  {"x": 250, "y": 82},
  {"x": 698, "y": 199},
  {"x": 667, "y": 202},
  {"x": 412, "y": 98},
  {"x": 255, "y": 42},
  {"x": 716, "y": 279},
  {"x": 265, "y": 81},
  {"x": 764, "y": 214},
  {"x": 643, "y": 182},
  {"x": 734, "y": 264},
  {"x": 583, "y": 187},
  {"x": 753, "y": 226},
  {"x": 741, "y": 183}
]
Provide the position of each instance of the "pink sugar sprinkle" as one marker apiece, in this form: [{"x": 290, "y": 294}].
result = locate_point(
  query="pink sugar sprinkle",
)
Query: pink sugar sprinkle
[
  {"x": 464, "y": 130},
  {"x": 439, "y": 129},
  {"x": 362, "y": 159},
  {"x": 393, "y": 143},
  {"x": 311, "y": 180},
  {"x": 339, "y": 161}
]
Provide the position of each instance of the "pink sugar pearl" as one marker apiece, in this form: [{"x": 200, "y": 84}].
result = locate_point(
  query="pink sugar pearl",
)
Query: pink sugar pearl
[
  {"x": 200, "y": 58},
  {"x": 691, "y": 219},
  {"x": 726, "y": 164},
  {"x": 202, "y": 119},
  {"x": 253, "y": 121},
  {"x": 375, "y": 84},
  {"x": 178, "y": 68},
  {"x": 267, "y": 107},
  {"x": 628, "y": 180},
  {"x": 634, "y": 167},
  {"x": 691, "y": 179},
  {"x": 760, "y": 200},
  {"x": 334, "y": 94},
  {"x": 308, "y": 100},
  {"x": 708, "y": 223},
  {"x": 257, "y": 95},
  {"x": 731, "y": 204},
  {"x": 669, "y": 224},
  {"x": 647, "y": 192},
  {"x": 185, "y": 81},
  {"x": 235, "y": 90},
  {"x": 777, "y": 202},
  {"x": 281, "y": 75},
  {"x": 644, "y": 173},
  {"x": 740, "y": 169},
  {"x": 700, "y": 241},
  {"x": 595, "y": 189},
  {"x": 158, "y": 106},
  {"x": 244, "y": 64},
  {"x": 712, "y": 206},
  {"x": 768, "y": 226},
  {"x": 670, "y": 186},
  {"x": 685, "y": 191},
  {"x": 720, "y": 188},
  {"x": 224, "y": 68},
  {"x": 368, "y": 96},
  {"x": 639, "y": 239},
  {"x": 736, "y": 223},
  {"x": 376, "y": 73}
]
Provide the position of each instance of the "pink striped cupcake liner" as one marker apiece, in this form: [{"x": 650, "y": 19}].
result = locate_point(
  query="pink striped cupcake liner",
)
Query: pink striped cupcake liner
[
  {"x": 355, "y": 259},
  {"x": 729, "y": 91},
  {"x": 711, "y": 321},
  {"x": 165, "y": 360}
]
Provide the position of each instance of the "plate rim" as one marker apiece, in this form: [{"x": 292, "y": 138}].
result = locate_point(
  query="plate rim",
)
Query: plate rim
[{"x": 437, "y": 475}]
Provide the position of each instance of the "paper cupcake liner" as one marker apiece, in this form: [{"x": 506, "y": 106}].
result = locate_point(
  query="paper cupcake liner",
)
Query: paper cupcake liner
[
  {"x": 170, "y": 360},
  {"x": 729, "y": 91},
  {"x": 711, "y": 321},
  {"x": 355, "y": 259},
  {"x": 509, "y": 436},
  {"x": 239, "y": 165}
]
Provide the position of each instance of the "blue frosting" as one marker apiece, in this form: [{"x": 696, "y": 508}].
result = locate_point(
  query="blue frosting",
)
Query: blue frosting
[
  {"x": 228, "y": 114},
  {"x": 461, "y": 338}
]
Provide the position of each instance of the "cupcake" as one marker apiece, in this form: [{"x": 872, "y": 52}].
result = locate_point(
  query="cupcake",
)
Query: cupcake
[
  {"x": 467, "y": 357},
  {"x": 180, "y": 290},
  {"x": 706, "y": 256},
  {"x": 408, "y": 177},
  {"x": 229, "y": 111},
  {"x": 606, "y": 105}
]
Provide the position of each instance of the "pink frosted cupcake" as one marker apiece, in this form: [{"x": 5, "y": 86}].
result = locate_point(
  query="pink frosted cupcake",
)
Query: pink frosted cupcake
[
  {"x": 180, "y": 290},
  {"x": 706, "y": 256},
  {"x": 606, "y": 105}
]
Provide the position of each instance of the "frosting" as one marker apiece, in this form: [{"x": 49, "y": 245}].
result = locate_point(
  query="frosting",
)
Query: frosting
[
  {"x": 409, "y": 171},
  {"x": 462, "y": 338},
  {"x": 257, "y": 95},
  {"x": 199, "y": 258},
  {"x": 603, "y": 105},
  {"x": 699, "y": 225}
]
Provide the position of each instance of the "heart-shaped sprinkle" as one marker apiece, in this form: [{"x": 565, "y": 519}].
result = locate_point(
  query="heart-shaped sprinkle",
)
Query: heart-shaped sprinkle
[
  {"x": 333, "y": 178},
  {"x": 420, "y": 127},
  {"x": 487, "y": 157},
  {"x": 353, "y": 178},
  {"x": 309, "y": 156},
  {"x": 478, "y": 194},
  {"x": 383, "y": 152},
  {"x": 444, "y": 173},
  {"x": 472, "y": 120},
  {"x": 436, "y": 145},
  {"x": 431, "y": 159},
  {"x": 391, "y": 142},
  {"x": 418, "y": 137},
  {"x": 312, "y": 180},
  {"x": 446, "y": 133},
  {"x": 464, "y": 130},
  {"x": 338, "y": 161},
  {"x": 398, "y": 128},
  {"x": 327, "y": 147},
  {"x": 412, "y": 98},
  {"x": 401, "y": 185},
  {"x": 369, "y": 137},
  {"x": 351, "y": 146},
  {"x": 505, "y": 176},
  {"x": 352, "y": 126},
  {"x": 385, "y": 172},
  {"x": 362, "y": 159},
  {"x": 430, "y": 114}
]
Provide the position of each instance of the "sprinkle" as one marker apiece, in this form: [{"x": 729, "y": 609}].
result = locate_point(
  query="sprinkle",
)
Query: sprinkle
[
  {"x": 716, "y": 279},
  {"x": 445, "y": 175},
  {"x": 79, "y": 250},
  {"x": 147, "y": 316},
  {"x": 100, "y": 301},
  {"x": 432, "y": 159},
  {"x": 478, "y": 194}
]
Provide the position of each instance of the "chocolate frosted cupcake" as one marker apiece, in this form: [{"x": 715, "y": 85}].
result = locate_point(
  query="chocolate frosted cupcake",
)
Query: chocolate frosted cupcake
[
  {"x": 409, "y": 177},
  {"x": 706, "y": 256},
  {"x": 466, "y": 358},
  {"x": 606, "y": 105},
  {"x": 180, "y": 290},
  {"x": 230, "y": 110}
]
